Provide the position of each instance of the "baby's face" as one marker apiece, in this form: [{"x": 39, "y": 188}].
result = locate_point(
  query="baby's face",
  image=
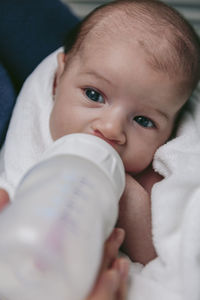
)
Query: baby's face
[{"x": 109, "y": 90}]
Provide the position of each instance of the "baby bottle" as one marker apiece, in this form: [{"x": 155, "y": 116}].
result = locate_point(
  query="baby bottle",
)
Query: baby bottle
[{"x": 52, "y": 235}]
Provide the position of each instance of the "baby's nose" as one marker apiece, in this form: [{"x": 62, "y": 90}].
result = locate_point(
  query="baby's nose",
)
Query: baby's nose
[{"x": 112, "y": 127}]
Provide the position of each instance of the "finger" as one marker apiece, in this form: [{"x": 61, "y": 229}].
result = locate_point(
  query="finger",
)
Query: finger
[
  {"x": 107, "y": 286},
  {"x": 111, "y": 248},
  {"x": 4, "y": 199},
  {"x": 122, "y": 265}
]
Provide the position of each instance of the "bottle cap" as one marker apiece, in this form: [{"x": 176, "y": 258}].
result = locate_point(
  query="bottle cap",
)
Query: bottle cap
[{"x": 95, "y": 150}]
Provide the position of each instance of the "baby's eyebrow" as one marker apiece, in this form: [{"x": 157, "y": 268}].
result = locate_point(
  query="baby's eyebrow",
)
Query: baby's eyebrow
[
  {"x": 99, "y": 76},
  {"x": 162, "y": 113}
]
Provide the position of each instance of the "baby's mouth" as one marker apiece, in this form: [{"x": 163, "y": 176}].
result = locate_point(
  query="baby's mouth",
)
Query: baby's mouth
[{"x": 113, "y": 143}]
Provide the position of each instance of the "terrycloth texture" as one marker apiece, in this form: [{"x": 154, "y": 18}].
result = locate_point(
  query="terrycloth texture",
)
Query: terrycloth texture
[
  {"x": 28, "y": 134},
  {"x": 175, "y": 274}
]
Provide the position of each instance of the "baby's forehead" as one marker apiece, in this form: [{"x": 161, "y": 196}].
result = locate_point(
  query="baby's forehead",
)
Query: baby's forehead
[
  {"x": 114, "y": 29},
  {"x": 115, "y": 25},
  {"x": 159, "y": 35},
  {"x": 118, "y": 25}
]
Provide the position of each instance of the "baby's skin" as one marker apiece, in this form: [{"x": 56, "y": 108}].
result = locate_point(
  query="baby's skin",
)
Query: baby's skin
[{"x": 135, "y": 216}]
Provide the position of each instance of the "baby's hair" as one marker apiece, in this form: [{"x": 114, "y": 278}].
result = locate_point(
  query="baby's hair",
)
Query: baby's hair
[{"x": 169, "y": 40}]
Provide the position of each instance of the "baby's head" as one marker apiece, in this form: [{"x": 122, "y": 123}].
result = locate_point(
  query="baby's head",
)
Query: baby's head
[{"x": 127, "y": 71}]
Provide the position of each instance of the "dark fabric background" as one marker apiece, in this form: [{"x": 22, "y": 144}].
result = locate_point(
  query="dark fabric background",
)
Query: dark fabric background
[{"x": 29, "y": 31}]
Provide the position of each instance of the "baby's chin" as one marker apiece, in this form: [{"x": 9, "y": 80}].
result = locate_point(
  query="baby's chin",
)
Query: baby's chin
[
  {"x": 132, "y": 171},
  {"x": 134, "y": 167}
]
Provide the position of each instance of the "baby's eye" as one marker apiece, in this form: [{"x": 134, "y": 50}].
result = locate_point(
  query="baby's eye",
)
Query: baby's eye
[
  {"x": 94, "y": 95},
  {"x": 144, "y": 122}
]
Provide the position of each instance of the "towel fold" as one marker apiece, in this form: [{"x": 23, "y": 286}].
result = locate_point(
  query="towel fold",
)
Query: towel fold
[{"x": 28, "y": 134}]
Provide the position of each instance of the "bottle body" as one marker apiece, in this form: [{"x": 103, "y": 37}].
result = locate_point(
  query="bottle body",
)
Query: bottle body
[{"x": 52, "y": 236}]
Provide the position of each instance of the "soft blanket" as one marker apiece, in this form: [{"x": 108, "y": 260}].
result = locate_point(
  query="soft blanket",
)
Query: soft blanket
[
  {"x": 175, "y": 273},
  {"x": 28, "y": 134}
]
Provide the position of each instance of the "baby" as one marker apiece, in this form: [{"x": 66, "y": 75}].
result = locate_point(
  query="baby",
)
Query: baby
[{"x": 125, "y": 75}]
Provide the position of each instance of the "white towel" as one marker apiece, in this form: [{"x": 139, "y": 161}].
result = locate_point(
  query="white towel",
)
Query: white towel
[
  {"x": 175, "y": 273},
  {"x": 28, "y": 134}
]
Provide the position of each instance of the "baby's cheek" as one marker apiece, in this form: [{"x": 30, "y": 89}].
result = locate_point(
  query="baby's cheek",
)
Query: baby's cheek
[
  {"x": 56, "y": 125},
  {"x": 138, "y": 161}
]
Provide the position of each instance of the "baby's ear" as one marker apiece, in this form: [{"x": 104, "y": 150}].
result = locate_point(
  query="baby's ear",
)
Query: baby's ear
[{"x": 61, "y": 59}]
